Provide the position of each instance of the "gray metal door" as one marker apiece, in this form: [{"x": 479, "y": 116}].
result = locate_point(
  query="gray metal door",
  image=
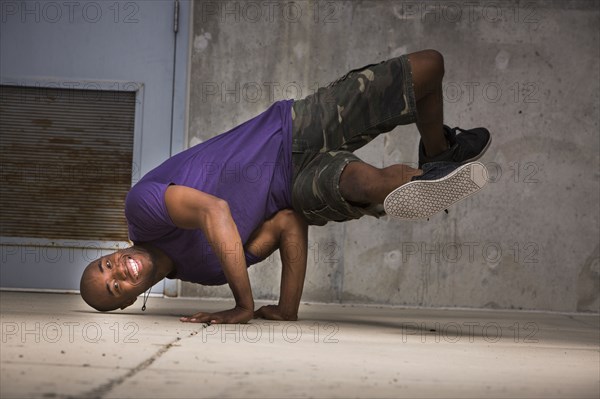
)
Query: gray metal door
[{"x": 125, "y": 47}]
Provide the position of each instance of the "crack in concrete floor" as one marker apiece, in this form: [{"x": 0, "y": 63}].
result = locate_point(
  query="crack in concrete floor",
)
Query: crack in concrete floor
[{"x": 104, "y": 389}]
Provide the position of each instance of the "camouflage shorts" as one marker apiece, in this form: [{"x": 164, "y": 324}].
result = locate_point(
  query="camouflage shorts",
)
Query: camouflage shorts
[{"x": 330, "y": 124}]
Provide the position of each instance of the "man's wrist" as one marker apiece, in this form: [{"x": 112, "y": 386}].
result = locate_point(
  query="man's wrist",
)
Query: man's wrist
[
  {"x": 248, "y": 306},
  {"x": 289, "y": 313},
  {"x": 290, "y": 316}
]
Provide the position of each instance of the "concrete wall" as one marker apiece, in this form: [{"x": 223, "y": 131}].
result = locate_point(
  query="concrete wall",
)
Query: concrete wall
[{"x": 529, "y": 72}]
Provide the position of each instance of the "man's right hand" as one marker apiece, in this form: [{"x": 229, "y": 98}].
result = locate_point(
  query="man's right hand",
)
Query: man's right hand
[{"x": 274, "y": 312}]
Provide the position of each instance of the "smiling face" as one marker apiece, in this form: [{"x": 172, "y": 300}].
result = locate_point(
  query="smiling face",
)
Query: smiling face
[{"x": 114, "y": 281}]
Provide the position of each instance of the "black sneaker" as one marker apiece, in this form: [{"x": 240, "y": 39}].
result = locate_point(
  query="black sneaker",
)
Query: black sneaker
[
  {"x": 465, "y": 146},
  {"x": 441, "y": 185}
]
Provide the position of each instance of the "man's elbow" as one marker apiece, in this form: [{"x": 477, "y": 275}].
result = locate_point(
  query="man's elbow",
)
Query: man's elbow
[
  {"x": 221, "y": 206},
  {"x": 217, "y": 212}
]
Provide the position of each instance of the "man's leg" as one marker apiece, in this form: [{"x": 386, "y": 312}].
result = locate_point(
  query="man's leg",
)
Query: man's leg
[
  {"x": 427, "y": 73},
  {"x": 331, "y": 183},
  {"x": 405, "y": 192},
  {"x": 440, "y": 143},
  {"x": 361, "y": 183},
  {"x": 364, "y": 184}
]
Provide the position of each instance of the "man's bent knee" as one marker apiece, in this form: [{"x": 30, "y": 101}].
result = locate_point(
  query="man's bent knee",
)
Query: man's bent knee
[{"x": 430, "y": 61}]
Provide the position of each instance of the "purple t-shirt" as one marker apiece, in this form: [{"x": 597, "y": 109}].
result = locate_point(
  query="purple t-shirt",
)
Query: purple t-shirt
[{"x": 249, "y": 166}]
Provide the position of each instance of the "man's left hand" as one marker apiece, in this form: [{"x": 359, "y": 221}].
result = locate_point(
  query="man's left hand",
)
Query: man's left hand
[{"x": 231, "y": 316}]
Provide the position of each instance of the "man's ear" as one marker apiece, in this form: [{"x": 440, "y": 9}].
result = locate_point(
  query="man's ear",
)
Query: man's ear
[{"x": 129, "y": 303}]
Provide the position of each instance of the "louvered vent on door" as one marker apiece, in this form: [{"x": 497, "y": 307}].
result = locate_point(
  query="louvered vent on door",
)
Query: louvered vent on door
[{"x": 65, "y": 162}]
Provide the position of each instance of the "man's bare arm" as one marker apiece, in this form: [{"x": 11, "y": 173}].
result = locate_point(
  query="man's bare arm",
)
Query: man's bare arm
[
  {"x": 193, "y": 209},
  {"x": 288, "y": 232}
]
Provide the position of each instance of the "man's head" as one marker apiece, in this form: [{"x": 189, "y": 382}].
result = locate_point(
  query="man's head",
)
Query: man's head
[{"x": 114, "y": 281}]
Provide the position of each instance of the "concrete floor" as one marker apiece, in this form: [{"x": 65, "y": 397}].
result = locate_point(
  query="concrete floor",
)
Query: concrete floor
[{"x": 53, "y": 345}]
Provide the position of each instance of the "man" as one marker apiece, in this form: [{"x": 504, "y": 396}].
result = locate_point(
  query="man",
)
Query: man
[{"x": 208, "y": 213}]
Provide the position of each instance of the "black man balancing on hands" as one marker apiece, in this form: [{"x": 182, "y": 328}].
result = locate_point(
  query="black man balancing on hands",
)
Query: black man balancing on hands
[{"x": 209, "y": 212}]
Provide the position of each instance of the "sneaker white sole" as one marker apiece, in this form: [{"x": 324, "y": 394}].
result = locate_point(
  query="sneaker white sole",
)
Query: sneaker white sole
[{"x": 421, "y": 199}]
